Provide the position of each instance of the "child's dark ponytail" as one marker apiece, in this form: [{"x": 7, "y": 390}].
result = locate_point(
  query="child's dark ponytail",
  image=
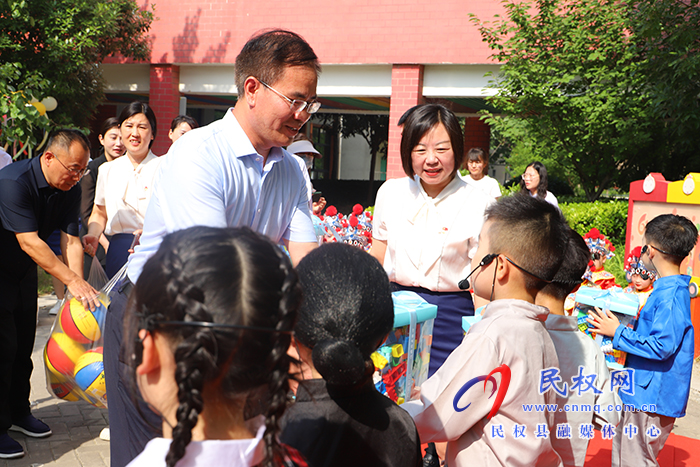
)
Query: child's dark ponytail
[{"x": 346, "y": 311}]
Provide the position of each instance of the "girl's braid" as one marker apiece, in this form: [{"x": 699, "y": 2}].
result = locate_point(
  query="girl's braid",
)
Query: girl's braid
[
  {"x": 278, "y": 362},
  {"x": 195, "y": 356}
]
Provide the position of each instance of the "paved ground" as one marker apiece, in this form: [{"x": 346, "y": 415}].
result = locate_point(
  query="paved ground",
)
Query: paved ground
[{"x": 76, "y": 426}]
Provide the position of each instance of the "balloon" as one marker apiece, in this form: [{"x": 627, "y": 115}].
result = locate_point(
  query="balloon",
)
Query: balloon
[
  {"x": 40, "y": 108},
  {"x": 50, "y": 103}
]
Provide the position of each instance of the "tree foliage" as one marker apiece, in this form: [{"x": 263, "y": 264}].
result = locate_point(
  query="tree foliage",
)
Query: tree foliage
[
  {"x": 666, "y": 34},
  {"x": 20, "y": 121},
  {"x": 578, "y": 85},
  {"x": 54, "y": 48}
]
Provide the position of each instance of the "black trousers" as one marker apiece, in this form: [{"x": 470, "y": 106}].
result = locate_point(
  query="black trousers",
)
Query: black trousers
[
  {"x": 129, "y": 429},
  {"x": 18, "y": 307}
]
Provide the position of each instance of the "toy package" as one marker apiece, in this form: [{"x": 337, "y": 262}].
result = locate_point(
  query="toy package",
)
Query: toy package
[
  {"x": 469, "y": 321},
  {"x": 355, "y": 229},
  {"x": 624, "y": 305},
  {"x": 595, "y": 276},
  {"x": 401, "y": 362},
  {"x": 73, "y": 354}
]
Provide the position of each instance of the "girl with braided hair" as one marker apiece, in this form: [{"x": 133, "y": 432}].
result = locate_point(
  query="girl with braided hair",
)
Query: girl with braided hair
[
  {"x": 210, "y": 324},
  {"x": 339, "y": 418}
]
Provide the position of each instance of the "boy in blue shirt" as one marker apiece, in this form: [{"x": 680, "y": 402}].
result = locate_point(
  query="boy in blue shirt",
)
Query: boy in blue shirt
[{"x": 659, "y": 348}]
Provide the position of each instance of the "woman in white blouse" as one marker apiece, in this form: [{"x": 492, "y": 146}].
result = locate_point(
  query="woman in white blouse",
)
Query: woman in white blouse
[
  {"x": 124, "y": 188},
  {"x": 426, "y": 227},
  {"x": 534, "y": 182},
  {"x": 478, "y": 166}
]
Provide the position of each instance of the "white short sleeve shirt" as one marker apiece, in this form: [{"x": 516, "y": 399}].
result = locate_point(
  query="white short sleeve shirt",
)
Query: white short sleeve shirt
[
  {"x": 209, "y": 453},
  {"x": 124, "y": 191},
  {"x": 550, "y": 198},
  {"x": 430, "y": 241},
  {"x": 486, "y": 184}
]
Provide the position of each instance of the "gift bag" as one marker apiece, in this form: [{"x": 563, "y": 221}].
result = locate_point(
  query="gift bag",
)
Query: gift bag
[
  {"x": 97, "y": 277},
  {"x": 73, "y": 357}
]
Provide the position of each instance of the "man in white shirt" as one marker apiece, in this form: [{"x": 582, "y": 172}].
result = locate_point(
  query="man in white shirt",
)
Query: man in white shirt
[
  {"x": 5, "y": 158},
  {"x": 230, "y": 173}
]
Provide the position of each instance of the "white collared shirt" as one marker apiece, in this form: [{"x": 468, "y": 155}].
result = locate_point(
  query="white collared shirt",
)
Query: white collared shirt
[
  {"x": 430, "y": 241},
  {"x": 575, "y": 349},
  {"x": 209, "y": 453},
  {"x": 486, "y": 184},
  {"x": 124, "y": 191},
  {"x": 511, "y": 333},
  {"x": 550, "y": 198},
  {"x": 213, "y": 176}
]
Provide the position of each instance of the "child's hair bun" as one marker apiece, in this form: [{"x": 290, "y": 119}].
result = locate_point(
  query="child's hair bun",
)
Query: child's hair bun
[{"x": 340, "y": 362}]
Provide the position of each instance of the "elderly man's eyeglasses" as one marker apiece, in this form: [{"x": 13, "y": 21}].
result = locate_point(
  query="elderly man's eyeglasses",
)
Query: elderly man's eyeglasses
[
  {"x": 80, "y": 173},
  {"x": 294, "y": 104}
]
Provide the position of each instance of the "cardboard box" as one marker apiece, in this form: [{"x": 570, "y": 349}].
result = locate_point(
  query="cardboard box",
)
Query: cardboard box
[
  {"x": 625, "y": 306},
  {"x": 401, "y": 362}
]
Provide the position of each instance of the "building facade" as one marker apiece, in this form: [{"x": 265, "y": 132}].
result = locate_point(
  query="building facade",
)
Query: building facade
[{"x": 379, "y": 57}]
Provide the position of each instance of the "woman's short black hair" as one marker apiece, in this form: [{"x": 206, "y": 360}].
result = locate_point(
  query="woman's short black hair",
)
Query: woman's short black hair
[
  {"x": 542, "y": 171},
  {"x": 138, "y": 107},
  {"x": 108, "y": 124},
  {"x": 183, "y": 118},
  {"x": 346, "y": 311},
  {"x": 478, "y": 154},
  {"x": 419, "y": 122}
]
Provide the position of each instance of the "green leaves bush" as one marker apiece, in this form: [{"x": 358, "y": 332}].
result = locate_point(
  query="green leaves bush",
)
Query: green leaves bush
[{"x": 608, "y": 217}]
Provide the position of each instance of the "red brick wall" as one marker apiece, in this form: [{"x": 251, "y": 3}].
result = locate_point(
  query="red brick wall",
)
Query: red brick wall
[
  {"x": 406, "y": 91},
  {"x": 341, "y": 31},
  {"x": 476, "y": 134},
  {"x": 164, "y": 99}
]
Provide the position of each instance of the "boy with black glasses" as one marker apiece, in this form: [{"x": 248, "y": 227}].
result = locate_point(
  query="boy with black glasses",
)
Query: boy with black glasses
[{"x": 659, "y": 348}]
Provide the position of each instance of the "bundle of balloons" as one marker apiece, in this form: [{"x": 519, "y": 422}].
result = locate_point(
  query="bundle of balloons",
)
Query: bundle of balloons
[
  {"x": 355, "y": 228},
  {"x": 73, "y": 353}
]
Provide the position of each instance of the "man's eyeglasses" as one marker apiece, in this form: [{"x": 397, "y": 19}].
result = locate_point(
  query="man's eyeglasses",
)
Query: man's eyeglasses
[
  {"x": 80, "y": 173},
  {"x": 294, "y": 104}
]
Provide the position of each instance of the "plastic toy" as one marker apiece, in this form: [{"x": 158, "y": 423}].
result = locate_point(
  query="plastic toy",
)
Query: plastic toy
[{"x": 401, "y": 362}]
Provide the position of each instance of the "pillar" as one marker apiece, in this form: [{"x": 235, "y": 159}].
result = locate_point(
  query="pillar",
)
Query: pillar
[
  {"x": 164, "y": 99},
  {"x": 406, "y": 91},
  {"x": 477, "y": 134}
]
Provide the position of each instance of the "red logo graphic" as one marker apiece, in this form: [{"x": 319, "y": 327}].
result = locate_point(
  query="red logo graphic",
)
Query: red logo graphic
[{"x": 505, "y": 382}]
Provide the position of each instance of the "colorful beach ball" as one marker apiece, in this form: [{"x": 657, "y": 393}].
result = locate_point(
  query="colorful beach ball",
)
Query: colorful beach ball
[
  {"x": 81, "y": 324},
  {"x": 61, "y": 354},
  {"x": 90, "y": 373},
  {"x": 62, "y": 389}
]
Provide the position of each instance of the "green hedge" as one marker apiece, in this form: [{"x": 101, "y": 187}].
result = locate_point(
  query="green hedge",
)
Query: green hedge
[{"x": 610, "y": 217}]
